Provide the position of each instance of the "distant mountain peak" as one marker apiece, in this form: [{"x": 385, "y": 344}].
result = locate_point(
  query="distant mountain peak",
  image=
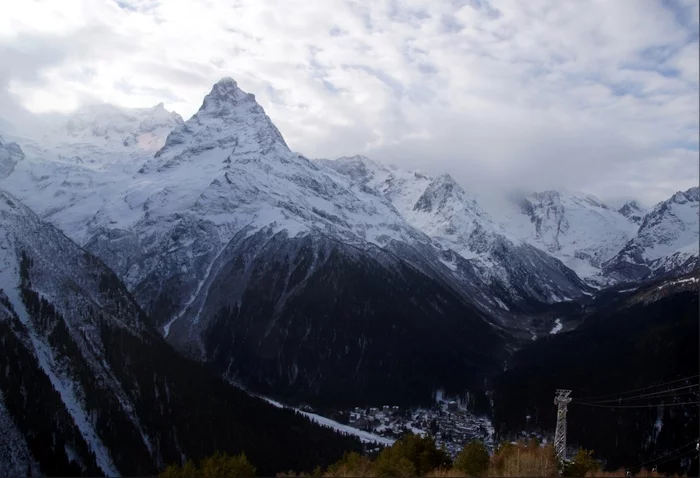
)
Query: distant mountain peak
[
  {"x": 441, "y": 190},
  {"x": 224, "y": 97},
  {"x": 666, "y": 240},
  {"x": 111, "y": 126},
  {"x": 358, "y": 167},
  {"x": 681, "y": 197},
  {"x": 633, "y": 211},
  {"x": 226, "y": 82},
  {"x": 229, "y": 118}
]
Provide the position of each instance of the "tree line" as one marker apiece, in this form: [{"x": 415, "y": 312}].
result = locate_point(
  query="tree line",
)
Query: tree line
[{"x": 416, "y": 455}]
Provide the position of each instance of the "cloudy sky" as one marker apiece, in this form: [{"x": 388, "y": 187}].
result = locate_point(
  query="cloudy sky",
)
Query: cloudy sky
[{"x": 598, "y": 95}]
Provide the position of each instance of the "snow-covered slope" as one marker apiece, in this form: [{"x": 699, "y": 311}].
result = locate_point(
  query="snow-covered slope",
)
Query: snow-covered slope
[
  {"x": 226, "y": 171},
  {"x": 225, "y": 214},
  {"x": 75, "y": 164},
  {"x": 512, "y": 271},
  {"x": 53, "y": 294},
  {"x": 579, "y": 229},
  {"x": 98, "y": 136},
  {"x": 85, "y": 135},
  {"x": 87, "y": 388},
  {"x": 667, "y": 240}
]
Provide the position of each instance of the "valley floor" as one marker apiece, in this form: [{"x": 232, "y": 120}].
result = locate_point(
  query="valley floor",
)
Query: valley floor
[{"x": 450, "y": 424}]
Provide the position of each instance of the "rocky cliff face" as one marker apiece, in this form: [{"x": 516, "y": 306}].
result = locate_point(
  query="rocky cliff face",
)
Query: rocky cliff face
[{"x": 10, "y": 155}]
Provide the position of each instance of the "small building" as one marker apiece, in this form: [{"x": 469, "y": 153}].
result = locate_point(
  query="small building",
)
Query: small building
[{"x": 362, "y": 424}]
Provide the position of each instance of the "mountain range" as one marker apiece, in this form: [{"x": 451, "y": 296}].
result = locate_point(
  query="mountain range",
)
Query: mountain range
[{"x": 327, "y": 282}]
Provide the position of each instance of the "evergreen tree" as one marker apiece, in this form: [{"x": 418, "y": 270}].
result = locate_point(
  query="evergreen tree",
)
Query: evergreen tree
[
  {"x": 222, "y": 465},
  {"x": 473, "y": 459},
  {"x": 352, "y": 464},
  {"x": 411, "y": 455}
]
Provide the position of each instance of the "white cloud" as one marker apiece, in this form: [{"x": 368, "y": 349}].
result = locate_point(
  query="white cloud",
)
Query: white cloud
[{"x": 596, "y": 95}]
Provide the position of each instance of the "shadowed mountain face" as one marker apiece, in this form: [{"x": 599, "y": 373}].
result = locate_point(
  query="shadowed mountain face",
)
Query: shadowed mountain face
[
  {"x": 88, "y": 388},
  {"x": 645, "y": 337},
  {"x": 330, "y": 324}
]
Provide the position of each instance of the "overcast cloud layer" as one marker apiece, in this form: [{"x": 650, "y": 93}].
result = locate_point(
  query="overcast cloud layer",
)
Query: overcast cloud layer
[{"x": 594, "y": 95}]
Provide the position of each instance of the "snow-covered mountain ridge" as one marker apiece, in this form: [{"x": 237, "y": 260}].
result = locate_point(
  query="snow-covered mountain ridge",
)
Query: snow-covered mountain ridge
[
  {"x": 78, "y": 167},
  {"x": 576, "y": 228},
  {"x": 444, "y": 211},
  {"x": 72, "y": 166},
  {"x": 226, "y": 238},
  {"x": 666, "y": 243}
]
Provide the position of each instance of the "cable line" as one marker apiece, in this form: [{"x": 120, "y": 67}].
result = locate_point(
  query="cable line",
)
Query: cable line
[
  {"x": 637, "y": 406},
  {"x": 640, "y": 389},
  {"x": 662, "y": 393},
  {"x": 648, "y": 462}
]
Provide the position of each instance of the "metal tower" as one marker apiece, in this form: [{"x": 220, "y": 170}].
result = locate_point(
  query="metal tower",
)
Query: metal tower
[{"x": 561, "y": 400}]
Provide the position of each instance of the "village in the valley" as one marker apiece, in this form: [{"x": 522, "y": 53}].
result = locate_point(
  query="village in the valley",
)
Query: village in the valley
[{"x": 449, "y": 422}]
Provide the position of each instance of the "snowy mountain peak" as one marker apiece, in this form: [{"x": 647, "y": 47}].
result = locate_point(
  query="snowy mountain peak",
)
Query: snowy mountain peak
[
  {"x": 550, "y": 196},
  {"x": 682, "y": 197},
  {"x": 441, "y": 190},
  {"x": 633, "y": 211},
  {"x": 225, "y": 95},
  {"x": 667, "y": 240},
  {"x": 96, "y": 129},
  {"x": 575, "y": 227},
  {"x": 229, "y": 119},
  {"x": 359, "y": 168},
  {"x": 105, "y": 121}
]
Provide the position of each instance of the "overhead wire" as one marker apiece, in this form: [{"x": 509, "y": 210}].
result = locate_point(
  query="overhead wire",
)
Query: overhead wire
[
  {"x": 622, "y": 397},
  {"x": 637, "y": 406},
  {"x": 656, "y": 462},
  {"x": 638, "y": 389},
  {"x": 659, "y": 394}
]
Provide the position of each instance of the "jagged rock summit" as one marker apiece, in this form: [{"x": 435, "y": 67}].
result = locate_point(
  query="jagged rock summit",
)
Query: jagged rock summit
[
  {"x": 228, "y": 119},
  {"x": 667, "y": 241},
  {"x": 632, "y": 210}
]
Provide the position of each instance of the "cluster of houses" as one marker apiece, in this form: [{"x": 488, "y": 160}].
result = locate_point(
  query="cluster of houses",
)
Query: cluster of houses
[{"x": 449, "y": 423}]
